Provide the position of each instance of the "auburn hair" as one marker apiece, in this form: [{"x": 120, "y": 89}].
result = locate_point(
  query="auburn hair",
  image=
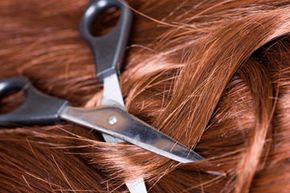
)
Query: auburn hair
[{"x": 215, "y": 75}]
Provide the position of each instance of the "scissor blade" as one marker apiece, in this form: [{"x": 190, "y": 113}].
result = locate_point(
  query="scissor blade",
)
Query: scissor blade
[
  {"x": 112, "y": 95},
  {"x": 120, "y": 124},
  {"x": 137, "y": 186}
]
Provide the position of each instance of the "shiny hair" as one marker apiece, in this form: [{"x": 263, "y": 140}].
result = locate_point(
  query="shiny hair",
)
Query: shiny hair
[{"x": 215, "y": 75}]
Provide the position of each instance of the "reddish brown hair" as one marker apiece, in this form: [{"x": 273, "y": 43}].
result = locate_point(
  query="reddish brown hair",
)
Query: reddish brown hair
[{"x": 214, "y": 75}]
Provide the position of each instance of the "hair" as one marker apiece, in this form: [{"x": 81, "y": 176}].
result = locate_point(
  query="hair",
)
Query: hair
[{"x": 214, "y": 75}]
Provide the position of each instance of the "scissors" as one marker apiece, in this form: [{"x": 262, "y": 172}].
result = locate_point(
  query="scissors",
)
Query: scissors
[{"x": 111, "y": 117}]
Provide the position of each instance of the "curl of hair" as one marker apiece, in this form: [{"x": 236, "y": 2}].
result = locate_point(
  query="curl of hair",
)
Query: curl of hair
[{"x": 214, "y": 75}]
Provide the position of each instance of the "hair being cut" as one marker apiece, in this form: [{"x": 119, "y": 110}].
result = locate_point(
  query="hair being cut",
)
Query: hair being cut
[{"x": 214, "y": 75}]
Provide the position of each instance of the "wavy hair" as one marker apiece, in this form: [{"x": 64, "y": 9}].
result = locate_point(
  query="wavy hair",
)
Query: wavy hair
[{"x": 215, "y": 75}]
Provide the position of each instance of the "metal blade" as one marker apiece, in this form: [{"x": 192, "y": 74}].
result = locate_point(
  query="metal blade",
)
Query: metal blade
[
  {"x": 119, "y": 123},
  {"x": 112, "y": 95},
  {"x": 137, "y": 186}
]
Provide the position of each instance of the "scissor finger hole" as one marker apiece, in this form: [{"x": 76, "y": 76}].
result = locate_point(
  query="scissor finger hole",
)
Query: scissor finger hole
[
  {"x": 105, "y": 21},
  {"x": 11, "y": 101}
]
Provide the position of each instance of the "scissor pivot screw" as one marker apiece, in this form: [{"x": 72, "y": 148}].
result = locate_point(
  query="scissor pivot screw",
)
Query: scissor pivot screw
[{"x": 112, "y": 120}]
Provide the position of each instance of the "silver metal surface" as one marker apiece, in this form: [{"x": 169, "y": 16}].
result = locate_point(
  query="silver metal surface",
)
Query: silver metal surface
[
  {"x": 136, "y": 186},
  {"x": 130, "y": 129},
  {"x": 112, "y": 95},
  {"x": 117, "y": 125}
]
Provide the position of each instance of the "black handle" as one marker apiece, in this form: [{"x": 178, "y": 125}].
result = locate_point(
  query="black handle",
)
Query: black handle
[
  {"x": 37, "y": 107},
  {"x": 107, "y": 49}
]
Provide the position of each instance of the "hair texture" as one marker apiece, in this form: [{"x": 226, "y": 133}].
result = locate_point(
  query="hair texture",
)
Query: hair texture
[{"x": 214, "y": 75}]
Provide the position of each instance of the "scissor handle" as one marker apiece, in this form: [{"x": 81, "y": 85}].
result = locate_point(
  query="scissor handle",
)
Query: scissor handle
[
  {"x": 108, "y": 49},
  {"x": 37, "y": 107}
]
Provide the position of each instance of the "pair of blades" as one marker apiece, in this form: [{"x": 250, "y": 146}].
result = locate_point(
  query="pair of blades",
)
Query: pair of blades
[
  {"x": 111, "y": 118},
  {"x": 109, "y": 51}
]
